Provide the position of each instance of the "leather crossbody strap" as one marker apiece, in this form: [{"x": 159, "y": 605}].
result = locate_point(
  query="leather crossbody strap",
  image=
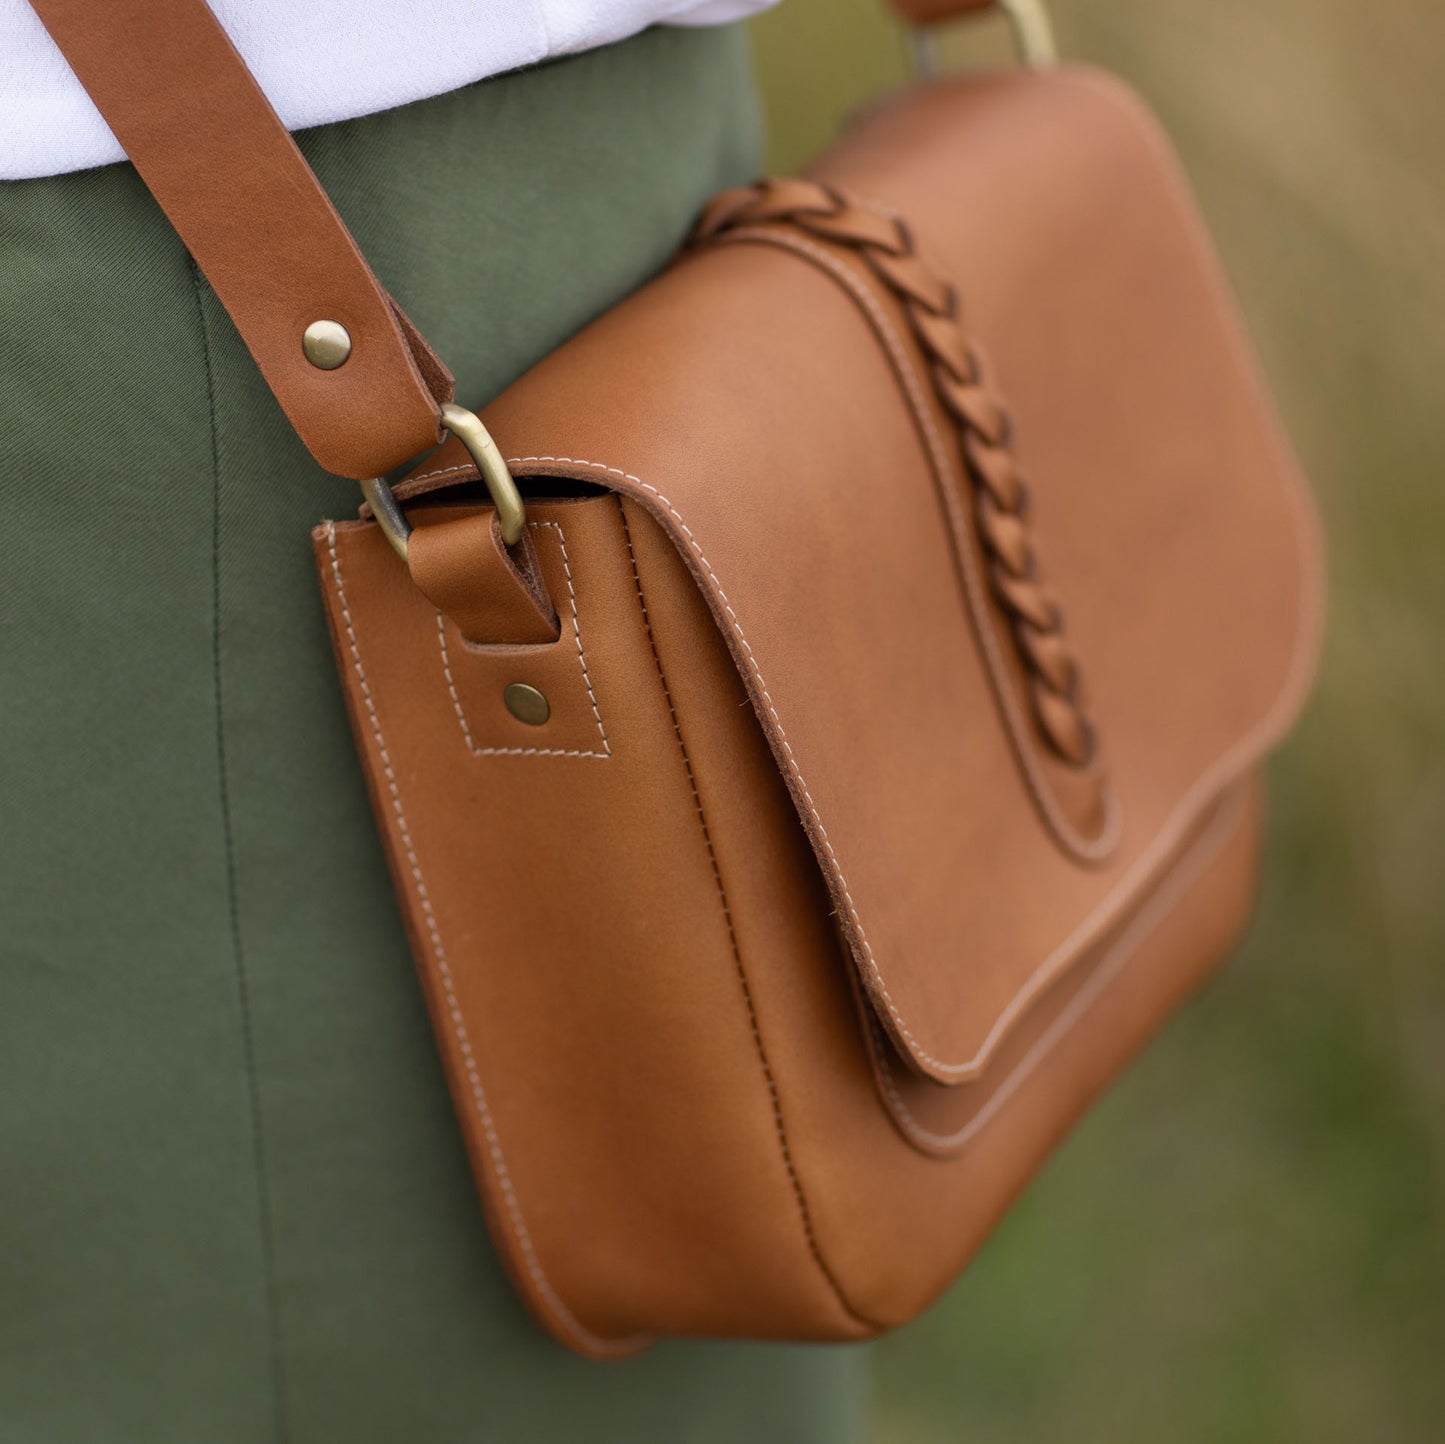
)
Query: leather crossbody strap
[{"x": 231, "y": 181}]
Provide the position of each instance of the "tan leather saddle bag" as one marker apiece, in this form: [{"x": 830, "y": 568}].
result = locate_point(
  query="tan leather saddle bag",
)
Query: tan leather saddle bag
[{"x": 854, "y": 754}]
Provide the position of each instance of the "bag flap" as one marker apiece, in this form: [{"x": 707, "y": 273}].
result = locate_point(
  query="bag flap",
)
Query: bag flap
[{"x": 778, "y": 404}]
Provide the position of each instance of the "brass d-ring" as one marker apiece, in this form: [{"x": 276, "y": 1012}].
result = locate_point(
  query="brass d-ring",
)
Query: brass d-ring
[
  {"x": 467, "y": 427},
  {"x": 1032, "y": 31}
]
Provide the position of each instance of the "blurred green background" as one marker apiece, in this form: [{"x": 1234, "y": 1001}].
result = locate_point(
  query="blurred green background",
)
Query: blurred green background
[{"x": 1245, "y": 1242}]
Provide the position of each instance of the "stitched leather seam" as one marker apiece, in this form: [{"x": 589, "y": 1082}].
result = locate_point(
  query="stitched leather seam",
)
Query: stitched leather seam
[
  {"x": 788, "y": 1162},
  {"x": 561, "y": 1312},
  {"x": 1204, "y": 852},
  {"x": 1089, "y": 849},
  {"x": 414, "y": 484},
  {"x": 1245, "y": 749},
  {"x": 581, "y": 657}
]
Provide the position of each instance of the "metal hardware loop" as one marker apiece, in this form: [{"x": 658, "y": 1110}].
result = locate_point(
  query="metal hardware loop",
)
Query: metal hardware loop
[
  {"x": 467, "y": 427},
  {"x": 1033, "y": 34}
]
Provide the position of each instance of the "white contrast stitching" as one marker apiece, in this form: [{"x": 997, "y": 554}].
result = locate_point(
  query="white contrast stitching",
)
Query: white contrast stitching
[
  {"x": 581, "y": 657},
  {"x": 437, "y": 475},
  {"x": 1090, "y": 849},
  {"x": 459, "y": 1027},
  {"x": 1207, "y": 848},
  {"x": 1169, "y": 832},
  {"x": 788, "y": 1163}
]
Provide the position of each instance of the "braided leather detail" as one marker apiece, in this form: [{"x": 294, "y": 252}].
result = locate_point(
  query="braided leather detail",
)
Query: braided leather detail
[{"x": 984, "y": 429}]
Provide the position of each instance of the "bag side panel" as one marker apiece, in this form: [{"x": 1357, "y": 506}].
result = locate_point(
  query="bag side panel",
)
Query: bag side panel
[{"x": 574, "y": 945}]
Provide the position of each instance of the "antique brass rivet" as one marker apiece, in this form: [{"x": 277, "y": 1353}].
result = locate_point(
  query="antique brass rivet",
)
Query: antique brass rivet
[
  {"x": 526, "y": 704},
  {"x": 327, "y": 344}
]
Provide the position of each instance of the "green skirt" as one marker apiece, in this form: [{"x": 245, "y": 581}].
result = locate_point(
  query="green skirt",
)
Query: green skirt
[{"x": 233, "y": 1201}]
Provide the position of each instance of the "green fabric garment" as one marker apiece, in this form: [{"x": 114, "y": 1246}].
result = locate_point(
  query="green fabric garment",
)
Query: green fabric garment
[{"x": 233, "y": 1201}]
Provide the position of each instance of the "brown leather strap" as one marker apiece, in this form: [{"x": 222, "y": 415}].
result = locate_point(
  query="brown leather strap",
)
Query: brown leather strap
[
  {"x": 205, "y": 140},
  {"x": 207, "y": 143}
]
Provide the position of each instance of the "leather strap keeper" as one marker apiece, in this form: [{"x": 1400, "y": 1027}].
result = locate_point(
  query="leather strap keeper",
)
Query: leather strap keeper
[{"x": 468, "y": 575}]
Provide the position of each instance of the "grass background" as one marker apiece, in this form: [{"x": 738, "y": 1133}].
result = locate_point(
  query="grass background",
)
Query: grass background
[{"x": 1244, "y": 1242}]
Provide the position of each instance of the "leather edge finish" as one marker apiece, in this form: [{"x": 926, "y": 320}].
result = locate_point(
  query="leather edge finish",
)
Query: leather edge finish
[
  {"x": 867, "y": 1326},
  {"x": 1237, "y": 807}
]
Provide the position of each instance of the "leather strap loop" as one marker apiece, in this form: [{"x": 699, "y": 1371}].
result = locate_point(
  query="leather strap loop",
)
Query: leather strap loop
[
  {"x": 231, "y": 181},
  {"x": 492, "y": 594}
]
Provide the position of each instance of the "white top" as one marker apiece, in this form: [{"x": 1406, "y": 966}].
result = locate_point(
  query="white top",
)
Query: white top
[{"x": 322, "y": 60}]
